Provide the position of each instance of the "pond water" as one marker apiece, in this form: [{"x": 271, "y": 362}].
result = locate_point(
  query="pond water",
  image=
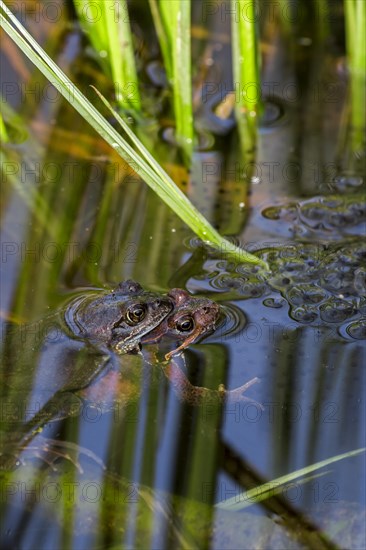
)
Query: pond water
[{"x": 144, "y": 468}]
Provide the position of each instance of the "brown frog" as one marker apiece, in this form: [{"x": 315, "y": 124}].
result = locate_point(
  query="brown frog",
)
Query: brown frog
[
  {"x": 46, "y": 364},
  {"x": 191, "y": 319},
  {"x": 120, "y": 318},
  {"x": 84, "y": 369}
]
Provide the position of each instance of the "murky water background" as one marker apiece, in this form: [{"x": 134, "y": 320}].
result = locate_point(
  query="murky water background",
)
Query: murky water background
[{"x": 146, "y": 470}]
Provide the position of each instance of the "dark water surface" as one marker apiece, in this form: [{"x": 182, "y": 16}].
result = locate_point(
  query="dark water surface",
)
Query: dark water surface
[{"x": 138, "y": 467}]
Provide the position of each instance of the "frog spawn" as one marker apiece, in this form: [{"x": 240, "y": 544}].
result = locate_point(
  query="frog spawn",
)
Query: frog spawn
[
  {"x": 321, "y": 214},
  {"x": 321, "y": 284}
]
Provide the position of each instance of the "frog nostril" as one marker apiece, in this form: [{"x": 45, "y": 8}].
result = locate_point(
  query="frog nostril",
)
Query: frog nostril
[{"x": 157, "y": 303}]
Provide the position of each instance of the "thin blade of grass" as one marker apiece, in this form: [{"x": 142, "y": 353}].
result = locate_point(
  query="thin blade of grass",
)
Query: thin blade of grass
[
  {"x": 120, "y": 42},
  {"x": 245, "y": 68},
  {"x": 183, "y": 77},
  {"x": 173, "y": 20},
  {"x": 3, "y": 133},
  {"x": 355, "y": 20},
  {"x": 108, "y": 28},
  {"x": 162, "y": 37},
  {"x": 263, "y": 492},
  {"x": 187, "y": 211},
  {"x": 248, "y": 498},
  {"x": 92, "y": 24},
  {"x": 171, "y": 194}
]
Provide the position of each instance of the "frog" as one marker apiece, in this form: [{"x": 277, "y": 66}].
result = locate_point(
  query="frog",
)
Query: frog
[
  {"x": 100, "y": 343},
  {"x": 191, "y": 319},
  {"x": 97, "y": 323},
  {"x": 116, "y": 320},
  {"x": 44, "y": 365}
]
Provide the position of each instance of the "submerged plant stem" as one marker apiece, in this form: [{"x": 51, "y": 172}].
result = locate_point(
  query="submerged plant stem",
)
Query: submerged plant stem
[{"x": 239, "y": 502}]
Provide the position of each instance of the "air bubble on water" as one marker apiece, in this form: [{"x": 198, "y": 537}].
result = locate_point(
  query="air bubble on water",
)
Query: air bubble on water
[
  {"x": 189, "y": 140},
  {"x": 252, "y": 114},
  {"x": 255, "y": 180},
  {"x": 103, "y": 53},
  {"x": 173, "y": 230},
  {"x": 241, "y": 205}
]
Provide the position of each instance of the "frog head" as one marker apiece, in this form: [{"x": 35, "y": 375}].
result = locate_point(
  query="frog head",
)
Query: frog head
[
  {"x": 120, "y": 318},
  {"x": 191, "y": 319}
]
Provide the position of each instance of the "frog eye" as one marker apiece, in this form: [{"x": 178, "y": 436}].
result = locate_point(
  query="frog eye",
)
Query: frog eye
[
  {"x": 135, "y": 314},
  {"x": 185, "y": 324}
]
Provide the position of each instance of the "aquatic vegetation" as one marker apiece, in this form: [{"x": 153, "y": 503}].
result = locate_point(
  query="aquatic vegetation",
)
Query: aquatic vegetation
[
  {"x": 268, "y": 490},
  {"x": 147, "y": 167},
  {"x": 355, "y": 19},
  {"x": 3, "y": 131},
  {"x": 173, "y": 23},
  {"x": 107, "y": 26},
  {"x": 246, "y": 69}
]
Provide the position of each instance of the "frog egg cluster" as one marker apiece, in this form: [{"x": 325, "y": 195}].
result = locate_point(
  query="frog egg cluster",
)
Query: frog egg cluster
[
  {"x": 327, "y": 287},
  {"x": 322, "y": 284},
  {"x": 326, "y": 213}
]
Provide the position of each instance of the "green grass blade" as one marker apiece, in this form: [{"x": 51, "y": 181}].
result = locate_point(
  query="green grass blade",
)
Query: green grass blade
[
  {"x": 162, "y": 37},
  {"x": 120, "y": 43},
  {"x": 183, "y": 77},
  {"x": 245, "y": 67},
  {"x": 170, "y": 193},
  {"x": 108, "y": 29},
  {"x": 267, "y": 490},
  {"x": 92, "y": 22},
  {"x": 355, "y": 20},
  {"x": 3, "y": 133},
  {"x": 173, "y": 27}
]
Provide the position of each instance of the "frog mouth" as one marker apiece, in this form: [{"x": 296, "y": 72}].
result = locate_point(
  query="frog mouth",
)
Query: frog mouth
[
  {"x": 199, "y": 332},
  {"x": 189, "y": 340}
]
